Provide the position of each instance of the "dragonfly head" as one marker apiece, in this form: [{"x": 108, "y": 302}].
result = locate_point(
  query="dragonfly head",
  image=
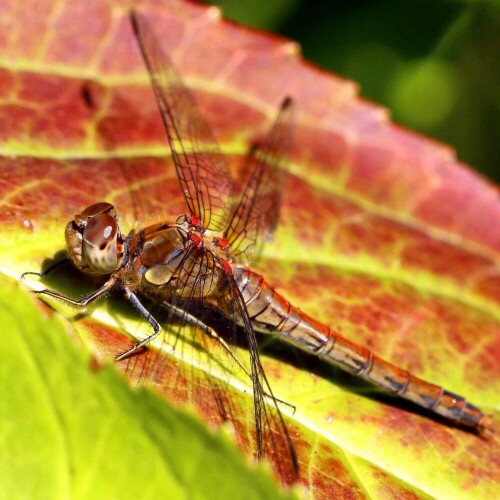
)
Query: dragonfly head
[{"x": 93, "y": 239}]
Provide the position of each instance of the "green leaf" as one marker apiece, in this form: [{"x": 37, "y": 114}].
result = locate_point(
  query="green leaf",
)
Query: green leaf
[{"x": 71, "y": 429}]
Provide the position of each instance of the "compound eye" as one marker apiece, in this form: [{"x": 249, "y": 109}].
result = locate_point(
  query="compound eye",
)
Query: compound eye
[
  {"x": 100, "y": 242},
  {"x": 97, "y": 209},
  {"x": 100, "y": 230}
]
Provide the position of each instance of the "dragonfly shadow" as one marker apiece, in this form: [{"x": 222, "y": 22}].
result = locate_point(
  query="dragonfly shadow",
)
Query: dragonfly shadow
[
  {"x": 58, "y": 273},
  {"x": 68, "y": 280}
]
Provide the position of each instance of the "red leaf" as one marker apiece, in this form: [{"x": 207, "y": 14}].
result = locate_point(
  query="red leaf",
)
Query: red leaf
[{"x": 384, "y": 235}]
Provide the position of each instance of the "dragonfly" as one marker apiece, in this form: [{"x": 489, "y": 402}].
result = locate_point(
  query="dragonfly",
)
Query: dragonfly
[{"x": 199, "y": 262}]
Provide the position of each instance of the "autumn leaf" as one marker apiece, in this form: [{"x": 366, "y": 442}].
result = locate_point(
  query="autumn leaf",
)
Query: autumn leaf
[{"x": 384, "y": 236}]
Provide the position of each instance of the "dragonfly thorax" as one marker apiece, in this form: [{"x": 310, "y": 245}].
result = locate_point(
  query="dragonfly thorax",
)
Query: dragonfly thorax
[
  {"x": 190, "y": 226},
  {"x": 94, "y": 241}
]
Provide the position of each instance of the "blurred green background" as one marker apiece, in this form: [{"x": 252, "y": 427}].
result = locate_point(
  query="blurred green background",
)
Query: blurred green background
[{"x": 434, "y": 63}]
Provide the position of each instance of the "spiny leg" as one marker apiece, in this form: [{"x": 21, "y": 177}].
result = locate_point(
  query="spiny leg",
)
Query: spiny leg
[
  {"x": 207, "y": 330},
  {"x": 132, "y": 298},
  {"x": 181, "y": 314},
  {"x": 47, "y": 271},
  {"x": 192, "y": 320},
  {"x": 84, "y": 301},
  {"x": 197, "y": 323}
]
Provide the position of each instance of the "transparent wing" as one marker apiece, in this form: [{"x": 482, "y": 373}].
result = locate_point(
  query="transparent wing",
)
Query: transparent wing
[
  {"x": 256, "y": 215},
  {"x": 207, "y": 296},
  {"x": 202, "y": 170},
  {"x": 273, "y": 439}
]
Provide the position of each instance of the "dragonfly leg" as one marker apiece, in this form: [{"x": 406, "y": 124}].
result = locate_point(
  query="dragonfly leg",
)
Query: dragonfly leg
[
  {"x": 132, "y": 298},
  {"x": 47, "y": 271},
  {"x": 181, "y": 314},
  {"x": 84, "y": 301},
  {"x": 197, "y": 323},
  {"x": 207, "y": 330}
]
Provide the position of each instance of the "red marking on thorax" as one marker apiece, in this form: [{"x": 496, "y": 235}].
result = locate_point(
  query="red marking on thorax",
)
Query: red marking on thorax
[
  {"x": 193, "y": 220},
  {"x": 197, "y": 240},
  {"x": 221, "y": 242},
  {"x": 226, "y": 265}
]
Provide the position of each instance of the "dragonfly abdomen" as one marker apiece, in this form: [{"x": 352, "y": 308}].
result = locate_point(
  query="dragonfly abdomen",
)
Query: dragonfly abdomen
[{"x": 271, "y": 313}]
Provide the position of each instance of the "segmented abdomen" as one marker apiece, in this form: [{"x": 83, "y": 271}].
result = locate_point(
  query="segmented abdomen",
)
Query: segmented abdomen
[{"x": 271, "y": 313}]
